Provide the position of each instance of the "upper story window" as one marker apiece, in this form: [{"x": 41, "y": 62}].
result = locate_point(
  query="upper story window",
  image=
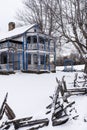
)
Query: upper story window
[
  {"x": 29, "y": 39},
  {"x": 35, "y": 30},
  {"x": 41, "y": 40},
  {"x": 34, "y": 39}
]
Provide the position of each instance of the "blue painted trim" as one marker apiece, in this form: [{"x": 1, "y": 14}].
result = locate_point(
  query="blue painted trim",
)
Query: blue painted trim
[
  {"x": 26, "y": 61},
  {"x": 44, "y": 54},
  {"x": 18, "y": 60},
  {"x": 26, "y": 55},
  {"x": 68, "y": 62},
  {"x": 38, "y": 42},
  {"x": 7, "y": 57},
  {"x": 13, "y": 59},
  {"x": 38, "y": 55},
  {"x": 23, "y": 53}
]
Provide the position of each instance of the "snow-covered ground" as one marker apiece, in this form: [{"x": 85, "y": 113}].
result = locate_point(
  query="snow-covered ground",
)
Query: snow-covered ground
[{"x": 28, "y": 95}]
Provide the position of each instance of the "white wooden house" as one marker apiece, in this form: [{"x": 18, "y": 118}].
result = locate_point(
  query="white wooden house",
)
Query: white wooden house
[{"x": 27, "y": 49}]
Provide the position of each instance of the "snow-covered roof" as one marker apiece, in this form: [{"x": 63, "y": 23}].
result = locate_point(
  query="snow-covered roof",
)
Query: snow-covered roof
[{"x": 15, "y": 32}]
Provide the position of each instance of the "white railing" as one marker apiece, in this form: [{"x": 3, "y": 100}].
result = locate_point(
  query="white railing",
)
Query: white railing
[
  {"x": 35, "y": 67},
  {"x": 3, "y": 45},
  {"x": 32, "y": 67},
  {"x": 6, "y": 67},
  {"x": 33, "y": 46},
  {"x": 52, "y": 67},
  {"x": 15, "y": 45},
  {"x": 3, "y": 66}
]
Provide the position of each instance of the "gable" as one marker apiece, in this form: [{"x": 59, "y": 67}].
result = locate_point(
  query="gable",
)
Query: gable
[{"x": 17, "y": 32}]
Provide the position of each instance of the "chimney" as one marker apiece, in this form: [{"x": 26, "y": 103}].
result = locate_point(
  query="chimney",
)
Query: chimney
[{"x": 11, "y": 26}]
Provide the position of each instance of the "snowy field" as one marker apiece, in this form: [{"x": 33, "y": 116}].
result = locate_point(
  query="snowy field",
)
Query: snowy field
[{"x": 28, "y": 95}]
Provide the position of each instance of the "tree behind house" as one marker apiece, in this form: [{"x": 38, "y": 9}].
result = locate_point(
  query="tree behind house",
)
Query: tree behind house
[{"x": 66, "y": 19}]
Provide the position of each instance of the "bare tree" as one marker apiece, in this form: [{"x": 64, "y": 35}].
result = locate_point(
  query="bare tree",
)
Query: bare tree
[
  {"x": 38, "y": 11},
  {"x": 66, "y": 19},
  {"x": 72, "y": 24}
]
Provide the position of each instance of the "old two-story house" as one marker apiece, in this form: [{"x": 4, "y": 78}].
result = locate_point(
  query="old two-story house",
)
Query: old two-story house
[{"x": 27, "y": 49}]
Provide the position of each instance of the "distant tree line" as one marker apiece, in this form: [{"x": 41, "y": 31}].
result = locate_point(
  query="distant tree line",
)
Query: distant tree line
[{"x": 76, "y": 58}]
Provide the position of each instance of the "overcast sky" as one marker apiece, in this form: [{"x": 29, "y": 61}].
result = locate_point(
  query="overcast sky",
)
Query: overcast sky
[{"x": 8, "y": 10}]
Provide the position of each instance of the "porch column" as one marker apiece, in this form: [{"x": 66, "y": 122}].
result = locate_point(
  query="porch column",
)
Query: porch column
[
  {"x": 38, "y": 61},
  {"x": 8, "y": 57},
  {"x": 32, "y": 63},
  {"x": 24, "y": 53},
  {"x": 44, "y": 54},
  {"x": 38, "y": 53},
  {"x": 18, "y": 60},
  {"x": 26, "y": 60},
  {"x": 31, "y": 59},
  {"x": 13, "y": 59}
]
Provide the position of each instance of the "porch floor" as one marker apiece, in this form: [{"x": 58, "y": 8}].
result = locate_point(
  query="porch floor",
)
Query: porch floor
[{"x": 37, "y": 72}]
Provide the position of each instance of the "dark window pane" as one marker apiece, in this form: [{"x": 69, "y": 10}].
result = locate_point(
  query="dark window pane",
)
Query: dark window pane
[
  {"x": 34, "y": 39},
  {"x": 3, "y": 58},
  {"x": 29, "y": 39},
  {"x": 41, "y": 40},
  {"x": 29, "y": 58},
  {"x": 42, "y": 59}
]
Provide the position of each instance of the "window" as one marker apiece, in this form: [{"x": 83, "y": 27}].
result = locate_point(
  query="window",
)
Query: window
[
  {"x": 29, "y": 58},
  {"x": 29, "y": 39},
  {"x": 41, "y": 40},
  {"x": 35, "y": 30},
  {"x": 3, "y": 58},
  {"x": 34, "y": 39},
  {"x": 42, "y": 59}
]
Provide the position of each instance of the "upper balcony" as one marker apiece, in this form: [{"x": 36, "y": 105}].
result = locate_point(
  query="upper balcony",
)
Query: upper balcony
[
  {"x": 40, "y": 46},
  {"x": 39, "y": 43}
]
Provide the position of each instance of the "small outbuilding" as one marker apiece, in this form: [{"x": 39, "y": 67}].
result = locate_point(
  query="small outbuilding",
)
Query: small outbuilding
[{"x": 68, "y": 65}]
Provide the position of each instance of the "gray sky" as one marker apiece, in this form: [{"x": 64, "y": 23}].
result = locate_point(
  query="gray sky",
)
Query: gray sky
[{"x": 8, "y": 10}]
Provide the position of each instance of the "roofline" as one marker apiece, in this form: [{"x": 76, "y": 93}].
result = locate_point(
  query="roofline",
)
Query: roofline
[{"x": 2, "y": 40}]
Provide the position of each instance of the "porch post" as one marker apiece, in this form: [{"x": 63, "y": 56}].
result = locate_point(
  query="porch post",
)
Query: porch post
[
  {"x": 18, "y": 60},
  {"x": 44, "y": 54},
  {"x": 38, "y": 53},
  {"x": 24, "y": 53},
  {"x": 8, "y": 56},
  {"x": 13, "y": 59},
  {"x": 26, "y": 56},
  {"x": 26, "y": 61}
]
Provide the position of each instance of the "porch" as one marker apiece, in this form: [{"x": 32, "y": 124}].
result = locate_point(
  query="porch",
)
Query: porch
[{"x": 34, "y": 61}]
